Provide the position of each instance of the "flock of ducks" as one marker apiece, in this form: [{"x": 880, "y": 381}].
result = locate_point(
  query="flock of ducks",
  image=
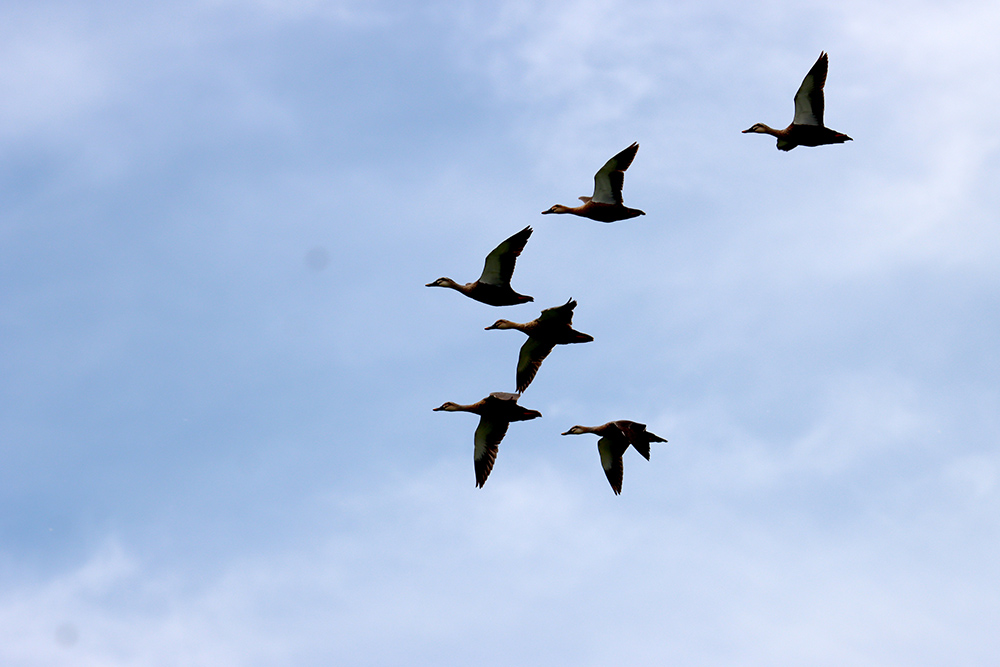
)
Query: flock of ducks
[{"x": 554, "y": 325}]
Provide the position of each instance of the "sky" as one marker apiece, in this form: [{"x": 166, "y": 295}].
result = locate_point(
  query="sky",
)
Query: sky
[{"x": 217, "y": 443}]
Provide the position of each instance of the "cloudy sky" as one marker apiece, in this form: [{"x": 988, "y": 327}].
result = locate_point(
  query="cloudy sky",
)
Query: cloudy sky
[{"x": 219, "y": 358}]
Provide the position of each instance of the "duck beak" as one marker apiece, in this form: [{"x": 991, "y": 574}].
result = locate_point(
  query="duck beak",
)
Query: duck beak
[
  {"x": 566, "y": 433},
  {"x": 749, "y": 129},
  {"x": 548, "y": 211}
]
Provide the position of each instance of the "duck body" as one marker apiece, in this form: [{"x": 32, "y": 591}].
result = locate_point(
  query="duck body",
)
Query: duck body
[
  {"x": 598, "y": 211},
  {"x": 801, "y": 135},
  {"x": 553, "y": 327},
  {"x": 493, "y": 287},
  {"x": 807, "y": 128},
  {"x": 491, "y": 295},
  {"x": 615, "y": 438},
  {"x": 496, "y": 412},
  {"x": 605, "y": 205}
]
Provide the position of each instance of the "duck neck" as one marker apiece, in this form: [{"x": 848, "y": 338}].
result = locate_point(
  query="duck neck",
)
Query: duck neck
[
  {"x": 507, "y": 324},
  {"x": 458, "y": 287}
]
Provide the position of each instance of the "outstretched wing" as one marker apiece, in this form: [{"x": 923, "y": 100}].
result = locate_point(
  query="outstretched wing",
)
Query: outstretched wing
[
  {"x": 638, "y": 436},
  {"x": 609, "y": 179},
  {"x": 499, "y": 265},
  {"x": 529, "y": 360},
  {"x": 489, "y": 433},
  {"x": 558, "y": 315},
  {"x": 611, "y": 460},
  {"x": 809, "y": 98}
]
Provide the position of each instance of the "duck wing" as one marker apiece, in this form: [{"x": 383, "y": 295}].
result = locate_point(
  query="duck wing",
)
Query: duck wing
[
  {"x": 609, "y": 179},
  {"x": 809, "y": 98},
  {"x": 611, "y": 460},
  {"x": 499, "y": 267},
  {"x": 502, "y": 396},
  {"x": 638, "y": 436},
  {"x": 503, "y": 406},
  {"x": 489, "y": 433},
  {"x": 554, "y": 325},
  {"x": 530, "y": 359},
  {"x": 558, "y": 315}
]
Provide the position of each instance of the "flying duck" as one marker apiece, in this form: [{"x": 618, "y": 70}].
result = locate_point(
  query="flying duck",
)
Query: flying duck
[
  {"x": 493, "y": 287},
  {"x": 807, "y": 127},
  {"x": 553, "y": 327},
  {"x": 496, "y": 412},
  {"x": 606, "y": 203},
  {"x": 615, "y": 438}
]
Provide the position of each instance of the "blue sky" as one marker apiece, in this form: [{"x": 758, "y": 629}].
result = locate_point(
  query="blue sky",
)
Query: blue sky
[{"x": 219, "y": 357}]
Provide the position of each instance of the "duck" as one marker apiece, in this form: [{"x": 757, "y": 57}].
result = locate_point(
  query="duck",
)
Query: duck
[
  {"x": 496, "y": 412},
  {"x": 807, "y": 127},
  {"x": 553, "y": 327},
  {"x": 493, "y": 287},
  {"x": 616, "y": 437},
  {"x": 605, "y": 205}
]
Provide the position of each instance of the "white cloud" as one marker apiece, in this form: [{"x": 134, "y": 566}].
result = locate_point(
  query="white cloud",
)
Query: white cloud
[
  {"x": 974, "y": 476},
  {"x": 531, "y": 567},
  {"x": 51, "y": 70}
]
